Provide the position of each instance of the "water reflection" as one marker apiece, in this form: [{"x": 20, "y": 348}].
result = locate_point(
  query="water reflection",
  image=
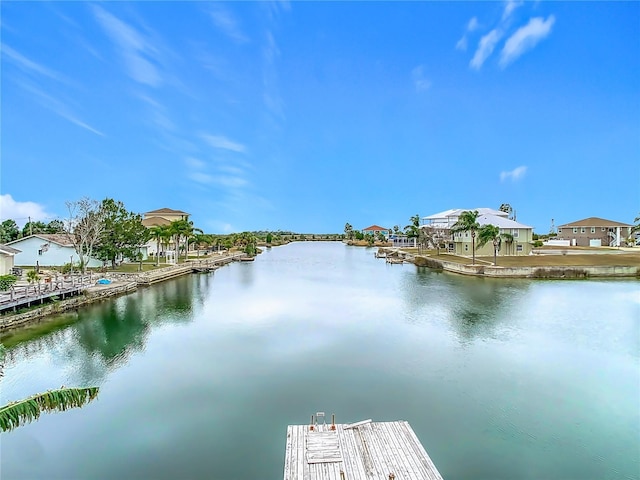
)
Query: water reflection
[
  {"x": 475, "y": 308},
  {"x": 110, "y": 332}
]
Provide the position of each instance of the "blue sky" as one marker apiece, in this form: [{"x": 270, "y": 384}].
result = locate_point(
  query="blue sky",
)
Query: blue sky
[{"x": 306, "y": 115}]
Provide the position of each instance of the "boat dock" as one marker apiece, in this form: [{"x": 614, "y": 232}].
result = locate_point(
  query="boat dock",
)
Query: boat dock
[{"x": 364, "y": 450}]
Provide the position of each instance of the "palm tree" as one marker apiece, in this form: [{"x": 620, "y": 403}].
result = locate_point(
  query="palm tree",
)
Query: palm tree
[
  {"x": 24, "y": 411},
  {"x": 468, "y": 222},
  {"x": 158, "y": 233},
  {"x": 490, "y": 233},
  {"x": 413, "y": 230}
]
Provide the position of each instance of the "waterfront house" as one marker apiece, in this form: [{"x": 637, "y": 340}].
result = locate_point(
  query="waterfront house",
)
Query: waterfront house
[
  {"x": 160, "y": 217},
  {"x": 47, "y": 249},
  {"x": 595, "y": 232},
  {"x": 7, "y": 257},
  {"x": 517, "y": 239},
  {"x": 163, "y": 216},
  {"x": 373, "y": 229}
]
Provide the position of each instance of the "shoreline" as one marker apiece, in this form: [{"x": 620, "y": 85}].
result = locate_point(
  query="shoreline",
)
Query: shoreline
[
  {"x": 524, "y": 271},
  {"x": 121, "y": 284}
]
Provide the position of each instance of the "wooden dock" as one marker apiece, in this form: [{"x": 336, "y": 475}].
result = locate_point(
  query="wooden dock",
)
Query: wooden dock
[{"x": 361, "y": 451}]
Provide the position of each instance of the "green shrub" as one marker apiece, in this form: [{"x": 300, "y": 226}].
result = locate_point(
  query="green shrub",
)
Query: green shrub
[
  {"x": 7, "y": 281},
  {"x": 538, "y": 243}
]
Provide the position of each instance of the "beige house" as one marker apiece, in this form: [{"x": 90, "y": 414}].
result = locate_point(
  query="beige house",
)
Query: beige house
[
  {"x": 595, "y": 232},
  {"x": 7, "y": 256},
  {"x": 163, "y": 216}
]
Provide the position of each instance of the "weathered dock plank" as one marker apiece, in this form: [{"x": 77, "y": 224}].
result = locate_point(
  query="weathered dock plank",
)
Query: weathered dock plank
[{"x": 360, "y": 451}]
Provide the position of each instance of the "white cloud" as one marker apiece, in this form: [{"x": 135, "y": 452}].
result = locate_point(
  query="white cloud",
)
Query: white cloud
[
  {"x": 134, "y": 48},
  {"x": 29, "y": 65},
  {"x": 525, "y": 38},
  {"x": 58, "y": 107},
  {"x": 420, "y": 81},
  {"x": 485, "y": 48},
  {"x": 226, "y": 22},
  {"x": 509, "y": 7},
  {"x": 22, "y": 211},
  {"x": 471, "y": 26},
  {"x": 218, "y": 141},
  {"x": 201, "y": 177},
  {"x": 194, "y": 163},
  {"x": 515, "y": 174}
]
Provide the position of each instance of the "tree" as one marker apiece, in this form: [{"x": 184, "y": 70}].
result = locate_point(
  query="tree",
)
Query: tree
[
  {"x": 396, "y": 230},
  {"x": 31, "y": 228},
  {"x": 506, "y": 208},
  {"x": 468, "y": 222},
  {"x": 413, "y": 229},
  {"x": 159, "y": 233},
  {"x": 490, "y": 233},
  {"x": 24, "y": 411},
  {"x": 55, "y": 226},
  {"x": 636, "y": 227},
  {"x": 180, "y": 229},
  {"x": 9, "y": 231},
  {"x": 348, "y": 231},
  {"x": 123, "y": 233},
  {"x": 84, "y": 227}
]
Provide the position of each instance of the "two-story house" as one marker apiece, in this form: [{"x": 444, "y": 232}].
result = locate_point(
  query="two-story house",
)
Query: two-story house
[{"x": 595, "y": 232}]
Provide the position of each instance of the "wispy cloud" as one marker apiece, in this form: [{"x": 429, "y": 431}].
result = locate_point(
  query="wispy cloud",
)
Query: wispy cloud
[
  {"x": 420, "y": 81},
  {"x": 219, "y": 141},
  {"x": 485, "y": 48},
  {"x": 30, "y": 66},
  {"x": 471, "y": 26},
  {"x": 509, "y": 8},
  {"x": 525, "y": 38},
  {"x": 224, "y": 20},
  {"x": 137, "y": 52},
  {"x": 229, "y": 177},
  {"x": 58, "y": 107},
  {"x": 514, "y": 175},
  {"x": 22, "y": 211}
]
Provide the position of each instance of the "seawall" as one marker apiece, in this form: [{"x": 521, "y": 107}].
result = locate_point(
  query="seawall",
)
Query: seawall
[{"x": 562, "y": 272}]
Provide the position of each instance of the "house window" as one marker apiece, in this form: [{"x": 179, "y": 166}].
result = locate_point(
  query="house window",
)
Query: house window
[
  {"x": 40, "y": 252},
  {"x": 515, "y": 233},
  {"x": 518, "y": 248},
  {"x": 559, "y": 230},
  {"x": 593, "y": 229},
  {"x": 575, "y": 229},
  {"x": 466, "y": 247},
  {"x": 603, "y": 229},
  {"x": 582, "y": 230}
]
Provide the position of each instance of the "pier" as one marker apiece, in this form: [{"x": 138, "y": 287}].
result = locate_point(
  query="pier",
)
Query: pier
[{"x": 364, "y": 450}]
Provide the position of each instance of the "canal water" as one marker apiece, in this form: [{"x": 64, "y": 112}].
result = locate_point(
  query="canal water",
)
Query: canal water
[{"x": 199, "y": 376}]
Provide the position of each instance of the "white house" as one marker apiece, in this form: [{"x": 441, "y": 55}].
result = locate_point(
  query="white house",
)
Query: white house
[
  {"x": 7, "y": 255},
  {"x": 47, "y": 250}
]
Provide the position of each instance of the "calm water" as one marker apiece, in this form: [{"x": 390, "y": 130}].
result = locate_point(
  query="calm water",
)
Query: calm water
[{"x": 199, "y": 376}]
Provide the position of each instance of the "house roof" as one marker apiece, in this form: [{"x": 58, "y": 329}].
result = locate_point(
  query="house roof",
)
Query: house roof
[
  {"x": 455, "y": 212},
  {"x": 155, "y": 221},
  {"x": 7, "y": 250},
  {"x": 58, "y": 238},
  {"x": 595, "y": 222},
  {"x": 375, "y": 228},
  {"x": 166, "y": 211},
  {"x": 500, "y": 222}
]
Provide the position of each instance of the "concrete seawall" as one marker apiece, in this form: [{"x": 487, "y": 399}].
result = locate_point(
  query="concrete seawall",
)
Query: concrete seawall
[
  {"x": 122, "y": 283},
  {"x": 89, "y": 296},
  {"x": 566, "y": 272}
]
